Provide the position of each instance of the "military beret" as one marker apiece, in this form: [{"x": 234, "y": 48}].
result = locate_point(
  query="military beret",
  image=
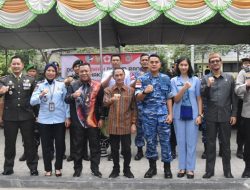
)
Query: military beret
[{"x": 30, "y": 66}]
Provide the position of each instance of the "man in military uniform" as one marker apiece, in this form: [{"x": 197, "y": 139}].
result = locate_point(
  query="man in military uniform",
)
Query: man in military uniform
[
  {"x": 154, "y": 90},
  {"x": 139, "y": 139},
  {"x": 17, "y": 89}
]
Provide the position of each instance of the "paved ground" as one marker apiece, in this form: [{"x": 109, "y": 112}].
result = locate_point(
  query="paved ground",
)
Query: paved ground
[{"x": 21, "y": 178}]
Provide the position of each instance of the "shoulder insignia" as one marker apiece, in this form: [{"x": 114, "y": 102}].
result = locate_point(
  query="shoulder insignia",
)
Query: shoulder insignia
[
  {"x": 3, "y": 77},
  {"x": 40, "y": 81},
  {"x": 37, "y": 86}
]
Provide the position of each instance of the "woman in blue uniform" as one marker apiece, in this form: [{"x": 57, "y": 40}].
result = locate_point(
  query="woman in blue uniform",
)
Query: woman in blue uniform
[
  {"x": 53, "y": 117},
  {"x": 187, "y": 115}
]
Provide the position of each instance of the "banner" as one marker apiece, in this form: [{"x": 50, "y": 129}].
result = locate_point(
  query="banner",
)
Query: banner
[{"x": 130, "y": 61}]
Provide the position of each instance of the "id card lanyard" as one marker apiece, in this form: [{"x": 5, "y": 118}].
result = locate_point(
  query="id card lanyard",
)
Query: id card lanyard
[{"x": 51, "y": 103}]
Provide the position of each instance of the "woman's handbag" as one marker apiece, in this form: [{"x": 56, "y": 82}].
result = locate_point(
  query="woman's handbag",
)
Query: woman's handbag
[{"x": 186, "y": 112}]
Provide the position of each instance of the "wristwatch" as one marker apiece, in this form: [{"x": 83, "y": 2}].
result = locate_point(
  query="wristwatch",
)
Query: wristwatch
[{"x": 201, "y": 115}]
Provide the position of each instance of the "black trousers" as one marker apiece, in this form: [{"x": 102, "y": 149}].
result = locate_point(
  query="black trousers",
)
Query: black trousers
[
  {"x": 224, "y": 130},
  {"x": 50, "y": 133},
  {"x": 246, "y": 124},
  {"x": 10, "y": 133},
  {"x": 85, "y": 142},
  {"x": 173, "y": 141},
  {"x": 79, "y": 134},
  {"x": 125, "y": 141},
  {"x": 36, "y": 135}
]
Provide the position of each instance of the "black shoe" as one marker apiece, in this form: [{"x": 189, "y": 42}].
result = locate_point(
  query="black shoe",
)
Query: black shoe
[
  {"x": 150, "y": 173},
  {"x": 96, "y": 173},
  {"x": 77, "y": 173},
  {"x": 239, "y": 153},
  {"x": 181, "y": 174},
  {"x": 58, "y": 173},
  {"x": 86, "y": 157},
  {"x": 167, "y": 170},
  {"x": 168, "y": 174},
  {"x": 204, "y": 155},
  {"x": 64, "y": 156},
  {"x": 69, "y": 159},
  {"x": 33, "y": 173},
  {"x": 114, "y": 174},
  {"x": 208, "y": 175},
  {"x": 246, "y": 174},
  {"x": 139, "y": 155},
  {"x": 22, "y": 158},
  {"x": 228, "y": 175},
  {"x": 8, "y": 172},
  {"x": 110, "y": 157},
  {"x": 128, "y": 174},
  {"x": 190, "y": 175}
]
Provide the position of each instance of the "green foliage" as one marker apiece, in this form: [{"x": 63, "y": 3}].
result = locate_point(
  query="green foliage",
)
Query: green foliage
[
  {"x": 167, "y": 53},
  {"x": 27, "y": 55},
  {"x": 3, "y": 67},
  {"x": 180, "y": 51}
]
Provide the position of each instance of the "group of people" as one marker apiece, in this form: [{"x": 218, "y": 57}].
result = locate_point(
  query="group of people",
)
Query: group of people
[{"x": 147, "y": 103}]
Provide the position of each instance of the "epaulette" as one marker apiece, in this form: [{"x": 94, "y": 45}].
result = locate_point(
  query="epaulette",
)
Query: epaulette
[
  {"x": 40, "y": 81},
  {"x": 37, "y": 84},
  {"x": 59, "y": 80},
  {"x": 3, "y": 77}
]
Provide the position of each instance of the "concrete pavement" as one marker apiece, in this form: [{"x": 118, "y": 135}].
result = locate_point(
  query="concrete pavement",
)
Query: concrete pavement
[{"x": 21, "y": 178}]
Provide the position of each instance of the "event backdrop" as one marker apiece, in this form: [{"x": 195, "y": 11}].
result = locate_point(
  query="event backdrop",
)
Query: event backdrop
[{"x": 130, "y": 61}]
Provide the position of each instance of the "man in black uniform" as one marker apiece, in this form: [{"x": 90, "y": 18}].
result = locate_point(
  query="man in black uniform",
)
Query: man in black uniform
[{"x": 17, "y": 89}]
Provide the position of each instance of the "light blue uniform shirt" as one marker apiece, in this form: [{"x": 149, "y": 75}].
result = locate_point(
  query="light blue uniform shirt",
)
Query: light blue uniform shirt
[
  {"x": 61, "y": 111},
  {"x": 194, "y": 91}
]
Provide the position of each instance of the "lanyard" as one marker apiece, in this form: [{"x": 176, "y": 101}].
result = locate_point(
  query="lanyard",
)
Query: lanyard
[{"x": 52, "y": 93}]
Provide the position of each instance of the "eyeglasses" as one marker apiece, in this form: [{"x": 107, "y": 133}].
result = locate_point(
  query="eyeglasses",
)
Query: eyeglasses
[
  {"x": 246, "y": 63},
  {"x": 214, "y": 61}
]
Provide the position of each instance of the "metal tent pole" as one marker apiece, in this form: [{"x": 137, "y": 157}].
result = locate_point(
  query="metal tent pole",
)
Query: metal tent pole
[
  {"x": 100, "y": 45},
  {"x": 192, "y": 56}
]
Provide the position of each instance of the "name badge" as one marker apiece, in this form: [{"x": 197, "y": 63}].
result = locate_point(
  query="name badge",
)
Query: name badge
[
  {"x": 26, "y": 84},
  {"x": 51, "y": 106}
]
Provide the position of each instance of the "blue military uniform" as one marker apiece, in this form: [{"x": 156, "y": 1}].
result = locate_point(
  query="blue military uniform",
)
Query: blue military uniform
[
  {"x": 139, "y": 140},
  {"x": 154, "y": 115}
]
